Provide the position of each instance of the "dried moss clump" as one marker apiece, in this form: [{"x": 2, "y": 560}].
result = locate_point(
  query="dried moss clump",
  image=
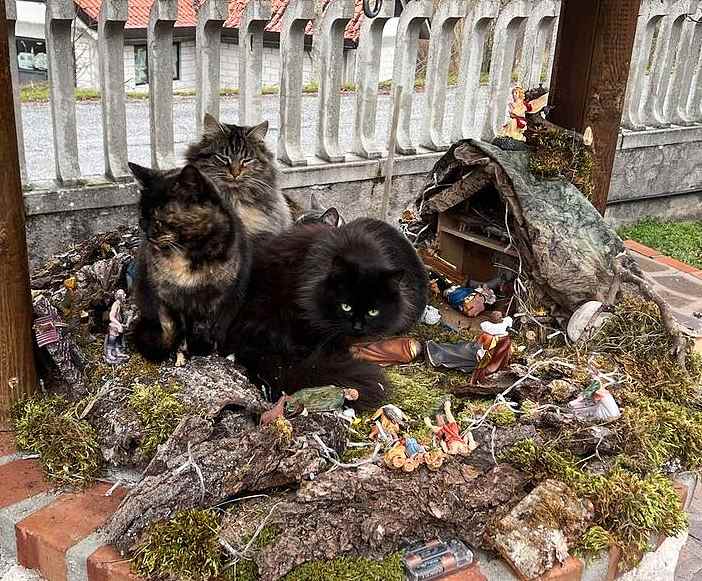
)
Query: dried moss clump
[
  {"x": 439, "y": 333},
  {"x": 655, "y": 432},
  {"x": 628, "y": 506},
  {"x": 557, "y": 153},
  {"x": 350, "y": 569},
  {"x": 159, "y": 411},
  {"x": 636, "y": 339},
  {"x": 67, "y": 446},
  {"x": 184, "y": 547}
]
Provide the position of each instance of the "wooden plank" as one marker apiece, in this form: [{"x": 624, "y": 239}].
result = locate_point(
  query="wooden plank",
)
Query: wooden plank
[
  {"x": 479, "y": 240},
  {"x": 17, "y": 373},
  {"x": 593, "y": 54}
]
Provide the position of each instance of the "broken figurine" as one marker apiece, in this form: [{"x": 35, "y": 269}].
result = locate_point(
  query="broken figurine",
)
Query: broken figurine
[
  {"x": 595, "y": 403},
  {"x": 115, "y": 351},
  {"x": 496, "y": 346},
  {"x": 388, "y": 421},
  {"x": 448, "y": 433},
  {"x": 396, "y": 350},
  {"x": 512, "y": 135}
]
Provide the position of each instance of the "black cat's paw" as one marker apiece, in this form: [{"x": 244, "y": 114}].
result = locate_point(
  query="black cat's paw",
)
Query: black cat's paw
[
  {"x": 199, "y": 345},
  {"x": 148, "y": 338}
]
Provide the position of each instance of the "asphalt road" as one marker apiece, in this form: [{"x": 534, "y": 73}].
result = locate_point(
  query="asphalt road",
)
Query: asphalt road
[{"x": 39, "y": 141}]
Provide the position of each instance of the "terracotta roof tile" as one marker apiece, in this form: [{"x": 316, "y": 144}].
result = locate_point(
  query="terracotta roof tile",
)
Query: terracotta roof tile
[{"x": 139, "y": 14}]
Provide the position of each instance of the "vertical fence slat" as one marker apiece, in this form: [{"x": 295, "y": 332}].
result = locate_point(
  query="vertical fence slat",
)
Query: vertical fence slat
[
  {"x": 211, "y": 15},
  {"x": 652, "y": 11},
  {"x": 693, "y": 104},
  {"x": 539, "y": 27},
  {"x": 253, "y": 22},
  {"x": 331, "y": 63},
  {"x": 11, "y": 15},
  {"x": 690, "y": 44},
  {"x": 404, "y": 67},
  {"x": 368, "y": 53},
  {"x": 653, "y": 110},
  {"x": 292, "y": 39},
  {"x": 162, "y": 18},
  {"x": 447, "y": 14},
  {"x": 59, "y": 49},
  {"x": 552, "y": 50},
  {"x": 503, "y": 50},
  {"x": 113, "y": 16},
  {"x": 475, "y": 31}
]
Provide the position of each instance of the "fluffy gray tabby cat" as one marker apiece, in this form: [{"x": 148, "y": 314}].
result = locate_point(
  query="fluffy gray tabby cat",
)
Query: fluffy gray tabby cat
[{"x": 237, "y": 160}]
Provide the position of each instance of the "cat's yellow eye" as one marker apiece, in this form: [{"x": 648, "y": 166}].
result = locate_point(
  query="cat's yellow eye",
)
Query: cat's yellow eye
[
  {"x": 373, "y": 313},
  {"x": 346, "y": 308}
]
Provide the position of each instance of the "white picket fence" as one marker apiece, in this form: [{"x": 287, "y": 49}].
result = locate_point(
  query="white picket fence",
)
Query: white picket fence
[{"x": 664, "y": 89}]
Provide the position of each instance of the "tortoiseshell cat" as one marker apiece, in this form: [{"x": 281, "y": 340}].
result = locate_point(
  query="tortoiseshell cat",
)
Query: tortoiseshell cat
[
  {"x": 237, "y": 160},
  {"x": 193, "y": 264}
]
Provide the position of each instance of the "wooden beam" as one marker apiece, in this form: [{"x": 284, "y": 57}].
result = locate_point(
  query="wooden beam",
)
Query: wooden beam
[
  {"x": 17, "y": 372},
  {"x": 591, "y": 68}
]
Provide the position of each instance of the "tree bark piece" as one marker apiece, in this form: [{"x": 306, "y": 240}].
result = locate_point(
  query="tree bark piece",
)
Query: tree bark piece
[
  {"x": 207, "y": 461},
  {"x": 374, "y": 511},
  {"x": 18, "y": 377}
]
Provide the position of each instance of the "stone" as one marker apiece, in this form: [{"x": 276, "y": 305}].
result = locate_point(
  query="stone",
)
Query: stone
[{"x": 535, "y": 536}]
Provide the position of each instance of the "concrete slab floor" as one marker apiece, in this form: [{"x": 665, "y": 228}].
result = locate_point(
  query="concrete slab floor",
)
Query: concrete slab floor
[{"x": 690, "y": 561}]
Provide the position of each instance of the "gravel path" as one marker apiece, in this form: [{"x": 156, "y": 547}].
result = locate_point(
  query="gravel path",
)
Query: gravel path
[{"x": 39, "y": 141}]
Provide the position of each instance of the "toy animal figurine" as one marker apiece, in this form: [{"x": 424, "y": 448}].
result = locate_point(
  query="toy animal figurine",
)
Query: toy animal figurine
[
  {"x": 328, "y": 398},
  {"x": 496, "y": 346},
  {"x": 115, "y": 350},
  {"x": 434, "y": 459},
  {"x": 395, "y": 457},
  {"x": 448, "y": 433},
  {"x": 388, "y": 421}
]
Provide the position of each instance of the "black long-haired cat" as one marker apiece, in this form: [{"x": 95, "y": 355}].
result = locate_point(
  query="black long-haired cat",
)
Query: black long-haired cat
[
  {"x": 315, "y": 288},
  {"x": 237, "y": 160},
  {"x": 193, "y": 265}
]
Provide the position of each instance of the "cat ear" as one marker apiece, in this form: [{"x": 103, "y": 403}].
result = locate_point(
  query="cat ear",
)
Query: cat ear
[
  {"x": 211, "y": 126},
  {"x": 331, "y": 217},
  {"x": 258, "y": 131},
  {"x": 196, "y": 185},
  {"x": 314, "y": 203},
  {"x": 144, "y": 175}
]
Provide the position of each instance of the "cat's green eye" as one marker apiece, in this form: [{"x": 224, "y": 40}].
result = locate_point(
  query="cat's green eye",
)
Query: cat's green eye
[
  {"x": 373, "y": 313},
  {"x": 346, "y": 308}
]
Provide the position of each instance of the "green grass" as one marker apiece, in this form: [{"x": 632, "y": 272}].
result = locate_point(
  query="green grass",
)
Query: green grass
[
  {"x": 311, "y": 87},
  {"x": 681, "y": 240},
  {"x": 39, "y": 93}
]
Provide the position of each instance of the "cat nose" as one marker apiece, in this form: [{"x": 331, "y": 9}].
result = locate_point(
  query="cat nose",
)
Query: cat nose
[
  {"x": 357, "y": 326},
  {"x": 235, "y": 169}
]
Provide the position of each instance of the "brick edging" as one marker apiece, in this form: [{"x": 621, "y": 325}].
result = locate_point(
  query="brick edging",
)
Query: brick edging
[{"x": 660, "y": 258}]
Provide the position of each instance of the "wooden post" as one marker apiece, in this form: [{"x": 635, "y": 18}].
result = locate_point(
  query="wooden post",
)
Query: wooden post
[
  {"x": 591, "y": 68},
  {"x": 17, "y": 372}
]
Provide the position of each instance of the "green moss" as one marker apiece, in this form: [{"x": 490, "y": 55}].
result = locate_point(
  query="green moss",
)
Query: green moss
[
  {"x": 628, "y": 506},
  {"x": 67, "y": 446},
  {"x": 558, "y": 154},
  {"x": 419, "y": 391},
  {"x": 439, "y": 334},
  {"x": 502, "y": 416},
  {"x": 136, "y": 369},
  {"x": 159, "y": 411},
  {"x": 593, "y": 541},
  {"x": 184, "y": 547},
  {"x": 681, "y": 240},
  {"x": 350, "y": 569}
]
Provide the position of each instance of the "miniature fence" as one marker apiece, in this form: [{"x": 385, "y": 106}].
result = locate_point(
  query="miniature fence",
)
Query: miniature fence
[{"x": 665, "y": 85}]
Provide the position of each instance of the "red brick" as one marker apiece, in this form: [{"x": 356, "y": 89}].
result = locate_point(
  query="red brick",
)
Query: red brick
[
  {"x": 7, "y": 444},
  {"x": 44, "y": 537},
  {"x": 615, "y": 555},
  {"x": 641, "y": 249},
  {"x": 676, "y": 264},
  {"x": 682, "y": 491},
  {"x": 697, "y": 273},
  {"x": 106, "y": 564},
  {"x": 472, "y": 573},
  {"x": 21, "y": 479},
  {"x": 571, "y": 570}
]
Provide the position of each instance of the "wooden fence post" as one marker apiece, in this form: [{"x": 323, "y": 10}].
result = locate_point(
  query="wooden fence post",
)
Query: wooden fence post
[
  {"x": 17, "y": 371},
  {"x": 593, "y": 54}
]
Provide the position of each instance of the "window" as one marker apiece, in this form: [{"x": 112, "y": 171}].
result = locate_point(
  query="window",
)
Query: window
[
  {"x": 31, "y": 54},
  {"x": 141, "y": 63}
]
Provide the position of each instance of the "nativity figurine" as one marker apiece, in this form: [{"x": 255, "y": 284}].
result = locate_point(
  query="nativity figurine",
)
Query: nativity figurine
[
  {"x": 495, "y": 346},
  {"x": 393, "y": 351},
  {"x": 595, "y": 403},
  {"x": 388, "y": 422},
  {"x": 115, "y": 350},
  {"x": 512, "y": 134},
  {"x": 448, "y": 433}
]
